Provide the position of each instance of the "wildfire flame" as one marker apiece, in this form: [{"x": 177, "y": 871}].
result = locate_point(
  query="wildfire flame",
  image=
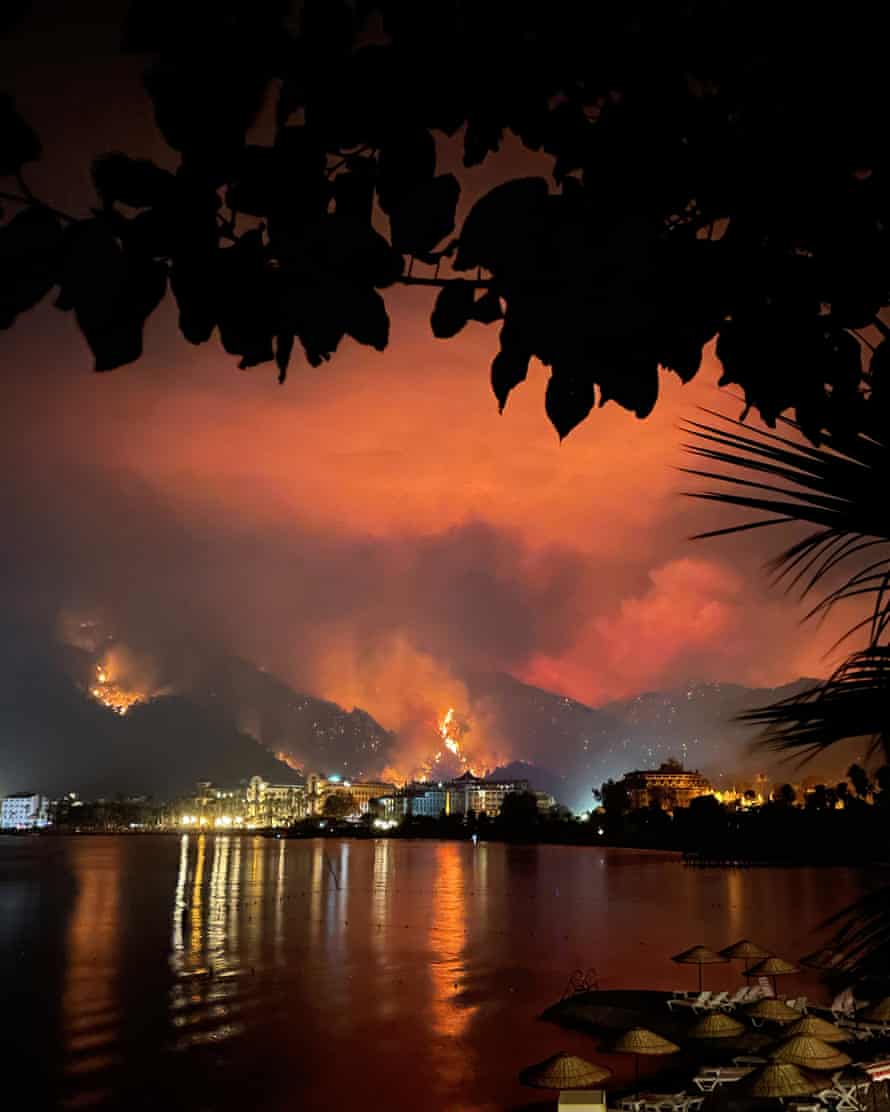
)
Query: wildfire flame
[
  {"x": 112, "y": 695},
  {"x": 451, "y": 743}
]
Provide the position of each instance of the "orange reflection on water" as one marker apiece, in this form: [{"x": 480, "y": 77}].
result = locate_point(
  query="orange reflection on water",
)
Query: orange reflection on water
[
  {"x": 447, "y": 940},
  {"x": 90, "y": 1002},
  {"x": 205, "y": 999}
]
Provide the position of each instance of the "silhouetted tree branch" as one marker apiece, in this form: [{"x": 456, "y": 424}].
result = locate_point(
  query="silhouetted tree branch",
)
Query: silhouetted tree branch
[{"x": 716, "y": 170}]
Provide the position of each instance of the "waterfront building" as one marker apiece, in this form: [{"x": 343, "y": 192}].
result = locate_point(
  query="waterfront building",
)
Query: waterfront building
[
  {"x": 24, "y": 811},
  {"x": 318, "y": 788},
  {"x": 469, "y": 793},
  {"x": 466, "y": 795},
  {"x": 546, "y": 802},
  {"x": 669, "y": 786},
  {"x": 274, "y": 804},
  {"x": 210, "y": 808},
  {"x": 431, "y": 801},
  {"x": 427, "y": 800}
]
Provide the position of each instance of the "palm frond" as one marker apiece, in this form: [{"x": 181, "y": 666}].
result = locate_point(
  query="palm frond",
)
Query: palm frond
[
  {"x": 862, "y": 937},
  {"x": 853, "y": 703},
  {"x": 842, "y": 493}
]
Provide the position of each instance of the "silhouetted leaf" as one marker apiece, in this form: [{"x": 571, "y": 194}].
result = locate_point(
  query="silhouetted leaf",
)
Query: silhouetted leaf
[
  {"x": 246, "y": 301},
  {"x": 193, "y": 281},
  {"x": 354, "y": 191},
  {"x": 364, "y": 316},
  {"x": 497, "y": 224},
  {"x": 453, "y": 308},
  {"x": 29, "y": 256},
  {"x": 204, "y": 107},
  {"x": 509, "y": 367},
  {"x": 568, "y": 400},
  {"x": 133, "y": 181},
  {"x": 566, "y": 136},
  {"x": 111, "y": 292},
  {"x": 284, "y": 345},
  {"x": 424, "y": 218},
  {"x": 487, "y": 308},
  {"x": 18, "y": 143},
  {"x": 406, "y": 161},
  {"x": 628, "y": 376},
  {"x": 483, "y": 136},
  {"x": 257, "y": 187}
]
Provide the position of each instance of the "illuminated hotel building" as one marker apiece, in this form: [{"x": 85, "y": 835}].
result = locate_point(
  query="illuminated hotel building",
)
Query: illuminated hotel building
[
  {"x": 318, "y": 788},
  {"x": 466, "y": 795},
  {"x": 669, "y": 785},
  {"x": 484, "y": 797},
  {"x": 275, "y": 804},
  {"x": 24, "y": 811}
]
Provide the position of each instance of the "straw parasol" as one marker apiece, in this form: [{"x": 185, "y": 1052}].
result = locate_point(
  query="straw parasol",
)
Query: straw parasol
[
  {"x": 819, "y": 1028},
  {"x": 745, "y": 950},
  {"x": 777, "y": 1079},
  {"x": 640, "y": 1040},
  {"x": 879, "y": 1012},
  {"x": 716, "y": 1025},
  {"x": 804, "y": 1050},
  {"x": 770, "y": 1008},
  {"x": 699, "y": 955},
  {"x": 772, "y": 967},
  {"x": 564, "y": 1071}
]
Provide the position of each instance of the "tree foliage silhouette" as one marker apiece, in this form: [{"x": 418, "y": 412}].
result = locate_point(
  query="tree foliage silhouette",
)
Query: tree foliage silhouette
[
  {"x": 338, "y": 805},
  {"x": 714, "y": 169}
]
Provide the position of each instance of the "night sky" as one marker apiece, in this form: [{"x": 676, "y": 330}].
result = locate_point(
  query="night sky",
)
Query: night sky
[{"x": 373, "y": 531}]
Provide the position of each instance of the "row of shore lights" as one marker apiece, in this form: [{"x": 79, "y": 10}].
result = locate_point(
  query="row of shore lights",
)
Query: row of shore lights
[{"x": 222, "y": 821}]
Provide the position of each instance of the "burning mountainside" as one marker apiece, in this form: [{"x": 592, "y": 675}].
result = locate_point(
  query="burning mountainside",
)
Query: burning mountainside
[
  {"x": 113, "y": 695},
  {"x": 451, "y": 757}
]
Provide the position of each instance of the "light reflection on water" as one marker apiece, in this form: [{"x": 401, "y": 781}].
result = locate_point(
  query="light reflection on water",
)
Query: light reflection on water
[{"x": 221, "y": 972}]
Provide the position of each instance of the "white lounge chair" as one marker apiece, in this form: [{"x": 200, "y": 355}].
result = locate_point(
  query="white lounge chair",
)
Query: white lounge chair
[
  {"x": 717, "y": 1000},
  {"x": 666, "y": 1102},
  {"x": 738, "y": 997},
  {"x": 698, "y": 1003}
]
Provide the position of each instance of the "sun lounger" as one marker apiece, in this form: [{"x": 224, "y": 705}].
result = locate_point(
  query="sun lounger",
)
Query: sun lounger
[
  {"x": 666, "y": 1102},
  {"x": 717, "y": 1000},
  {"x": 712, "y": 1076},
  {"x": 738, "y": 997},
  {"x": 698, "y": 1003}
]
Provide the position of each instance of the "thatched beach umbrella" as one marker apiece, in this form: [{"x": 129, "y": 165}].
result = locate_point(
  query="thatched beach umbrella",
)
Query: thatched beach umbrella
[
  {"x": 699, "y": 955},
  {"x": 640, "y": 1040},
  {"x": 770, "y": 1008},
  {"x": 777, "y": 1079},
  {"x": 819, "y": 1029},
  {"x": 879, "y": 1012},
  {"x": 716, "y": 1025},
  {"x": 564, "y": 1071},
  {"x": 811, "y": 1053},
  {"x": 772, "y": 967},
  {"x": 745, "y": 950}
]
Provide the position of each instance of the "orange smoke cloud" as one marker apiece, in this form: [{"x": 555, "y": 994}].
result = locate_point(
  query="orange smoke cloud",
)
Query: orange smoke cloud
[{"x": 407, "y": 690}]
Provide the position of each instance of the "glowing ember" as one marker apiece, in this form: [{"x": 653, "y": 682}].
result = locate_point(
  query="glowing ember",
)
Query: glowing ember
[{"x": 112, "y": 695}]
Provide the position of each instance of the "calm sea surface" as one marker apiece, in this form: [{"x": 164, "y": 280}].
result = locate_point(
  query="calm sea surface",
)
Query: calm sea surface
[{"x": 244, "y": 973}]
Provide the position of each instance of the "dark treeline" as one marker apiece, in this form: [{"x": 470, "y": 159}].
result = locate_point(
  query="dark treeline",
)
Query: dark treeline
[{"x": 843, "y": 823}]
